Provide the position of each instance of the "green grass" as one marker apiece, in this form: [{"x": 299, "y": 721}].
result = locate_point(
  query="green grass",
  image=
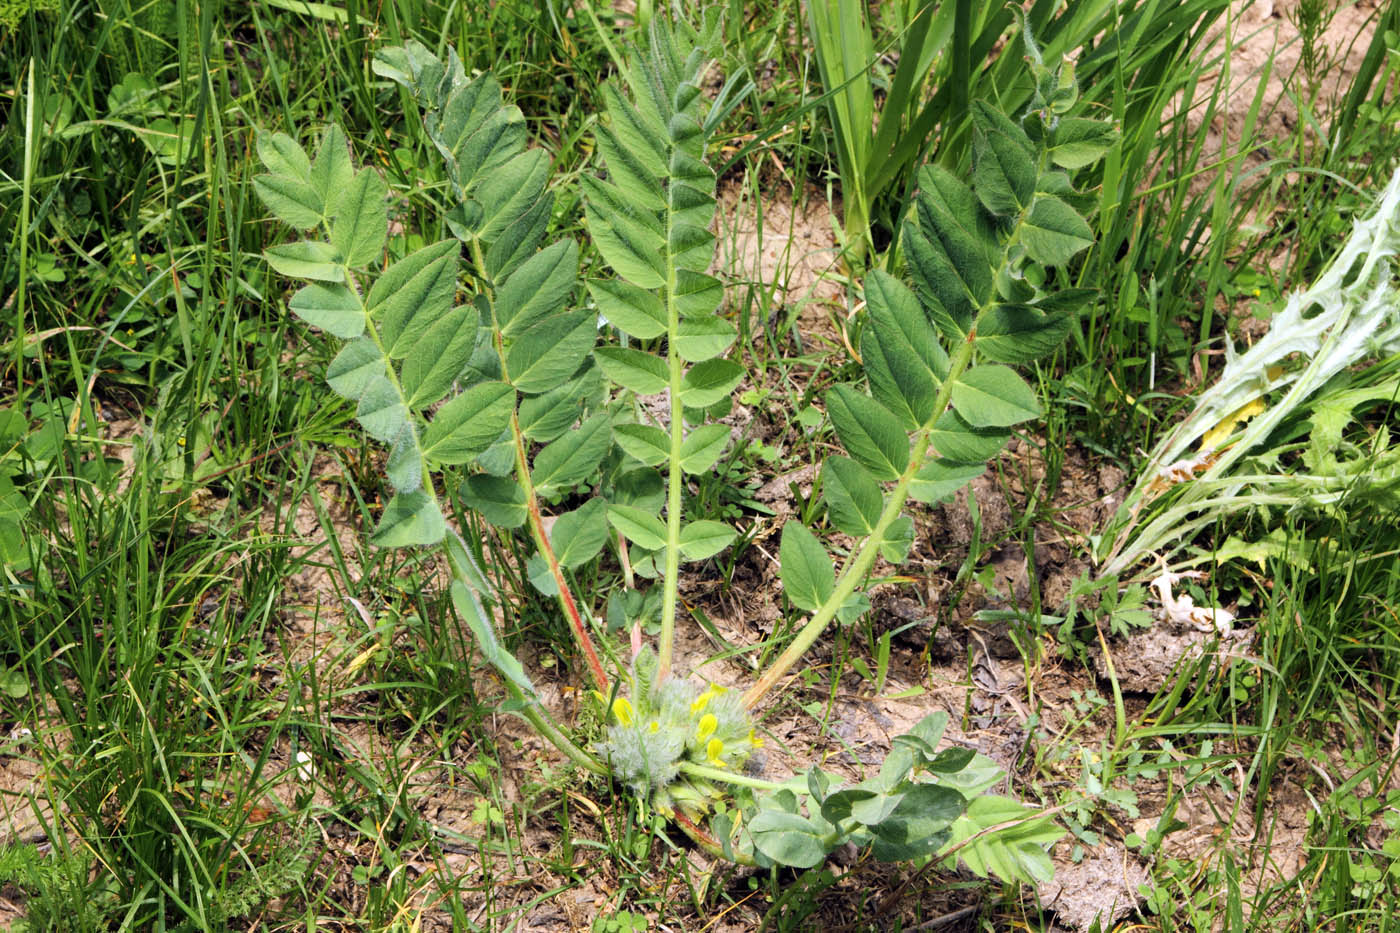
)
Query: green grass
[{"x": 162, "y": 645}]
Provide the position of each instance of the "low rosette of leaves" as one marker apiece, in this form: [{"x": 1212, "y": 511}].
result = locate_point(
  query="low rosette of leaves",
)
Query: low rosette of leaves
[{"x": 923, "y": 802}]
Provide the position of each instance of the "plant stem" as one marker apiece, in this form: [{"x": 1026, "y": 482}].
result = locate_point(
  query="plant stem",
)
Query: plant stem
[
  {"x": 530, "y": 710},
  {"x": 532, "y": 502},
  {"x": 728, "y": 777},
  {"x": 859, "y": 563},
  {"x": 671, "y": 582}
]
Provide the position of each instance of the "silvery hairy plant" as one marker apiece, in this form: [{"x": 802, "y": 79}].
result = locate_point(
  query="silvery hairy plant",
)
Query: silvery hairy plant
[{"x": 491, "y": 381}]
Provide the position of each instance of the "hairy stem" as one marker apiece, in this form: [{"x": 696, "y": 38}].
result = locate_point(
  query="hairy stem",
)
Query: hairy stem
[
  {"x": 536, "y": 520},
  {"x": 859, "y": 563},
  {"x": 671, "y": 582}
]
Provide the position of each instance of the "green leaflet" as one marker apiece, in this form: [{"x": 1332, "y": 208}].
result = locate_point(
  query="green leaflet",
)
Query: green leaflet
[
  {"x": 469, "y": 423},
  {"x": 333, "y": 308},
  {"x": 709, "y": 382},
  {"x": 573, "y": 457},
  {"x": 635, "y": 311},
  {"x": 646, "y": 443},
  {"x": 994, "y": 396},
  {"x": 419, "y": 287},
  {"x": 354, "y": 367},
  {"x": 578, "y": 536},
  {"x": 703, "y": 447},
  {"x": 900, "y": 351},
  {"x": 427, "y": 376},
  {"x": 1077, "y": 142},
  {"x": 551, "y": 351},
  {"x": 292, "y": 200},
  {"x": 640, "y": 526},
  {"x": 1021, "y": 333},
  {"x": 360, "y": 219},
  {"x": 1054, "y": 232},
  {"x": 308, "y": 259},
  {"x": 500, "y": 500},
  {"x": 806, "y": 571},
  {"x": 704, "y": 539},
  {"x": 853, "y": 498},
  {"x": 635, "y": 370},
  {"x": 410, "y": 519},
  {"x": 937, "y": 480},
  {"x": 538, "y": 288},
  {"x": 1003, "y": 161},
  {"x": 869, "y": 432}
]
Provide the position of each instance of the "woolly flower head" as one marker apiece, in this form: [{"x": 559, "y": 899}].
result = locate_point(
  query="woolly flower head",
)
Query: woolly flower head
[{"x": 650, "y": 734}]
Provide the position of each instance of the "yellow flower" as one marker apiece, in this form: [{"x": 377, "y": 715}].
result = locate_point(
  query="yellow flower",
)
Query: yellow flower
[
  {"x": 754, "y": 740},
  {"x": 622, "y": 709},
  {"x": 707, "y": 727},
  {"x": 654, "y": 726},
  {"x": 713, "y": 749}
]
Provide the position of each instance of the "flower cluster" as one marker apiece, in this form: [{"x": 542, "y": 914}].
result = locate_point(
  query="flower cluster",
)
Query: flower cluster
[{"x": 672, "y": 723}]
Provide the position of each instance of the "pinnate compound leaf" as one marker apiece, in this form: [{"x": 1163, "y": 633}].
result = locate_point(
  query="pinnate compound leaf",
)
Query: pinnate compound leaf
[
  {"x": 635, "y": 370},
  {"x": 1003, "y": 161},
  {"x": 709, "y": 382},
  {"x": 291, "y": 200},
  {"x": 578, "y": 536},
  {"x": 1054, "y": 232},
  {"x": 993, "y": 396},
  {"x": 333, "y": 308},
  {"x": 357, "y": 364},
  {"x": 703, "y": 446},
  {"x": 806, "y": 571},
  {"x": 551, "y": 351},
  {"x": 853, "y": 498},
  {"x": 467, "y": 425},
  {"x": 900, "y": 351},
  {"x": 938, "y": 480},
  {"x": 422, "y": 284},
  {"x": 869, "y": 432},
  {"x": 499, "y": 499},
  {"x": 572, "y": 458},
  {"x": 410, "y": 518},
  {"x": 1020, "y": 333},
  {"x": 635, "y": 311},
  {"x": 639, "y": 526},
  {"x": 448, "y": 344},
  {"x": 538, "y": 288},
  {"x": 306, "y": 259},
  {"x": 360, "y": 219},
  {"x": 649, "y": 444},
  {"x": 704, "y": 539}
]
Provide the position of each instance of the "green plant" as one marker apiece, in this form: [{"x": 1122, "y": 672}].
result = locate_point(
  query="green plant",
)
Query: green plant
[
  {"x": 1288, "y": 400},
  {"x": 985, "y": 259}
]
